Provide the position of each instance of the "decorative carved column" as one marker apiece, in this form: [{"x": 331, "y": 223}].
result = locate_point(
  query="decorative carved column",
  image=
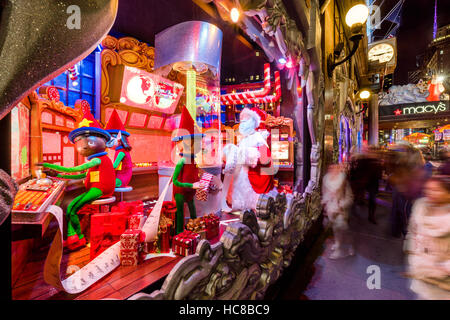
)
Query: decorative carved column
[{"x": 373, "y": 120}]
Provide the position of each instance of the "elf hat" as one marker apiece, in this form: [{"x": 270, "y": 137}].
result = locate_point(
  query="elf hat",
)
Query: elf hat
[
  {"x": 115, "y": 125},
  {"x": 187, "y": 124},
  {"x": 89, "y": 125}
]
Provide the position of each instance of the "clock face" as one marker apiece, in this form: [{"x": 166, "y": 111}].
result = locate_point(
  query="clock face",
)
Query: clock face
[{"x": 381, "y": 53}]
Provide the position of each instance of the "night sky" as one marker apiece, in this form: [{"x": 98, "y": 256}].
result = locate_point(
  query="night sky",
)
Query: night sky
[{"x": 416, "y": 32}]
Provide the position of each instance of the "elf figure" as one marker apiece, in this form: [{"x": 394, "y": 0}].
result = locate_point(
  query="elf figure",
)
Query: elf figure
[
  {"x": 90, "y": 141},
  {"x": 122, "y": 159},
  {"x": 185, "y": 177}
]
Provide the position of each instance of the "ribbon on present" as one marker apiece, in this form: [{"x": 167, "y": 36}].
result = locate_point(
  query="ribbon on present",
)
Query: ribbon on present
[
  {"x": 185, "y": 243},
  {"x": 196, "y": 225},
  {"x": 205, "y": 183}
]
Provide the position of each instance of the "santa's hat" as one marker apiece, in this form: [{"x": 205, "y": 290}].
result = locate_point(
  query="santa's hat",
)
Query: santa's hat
[
  {"x": 187, "y": 124},
  {"x": 88, "y": 125},
  {"x": 115, "y": 125},
  {"x": 263, "y": 115},
  {"x": 251, "y": 114}
]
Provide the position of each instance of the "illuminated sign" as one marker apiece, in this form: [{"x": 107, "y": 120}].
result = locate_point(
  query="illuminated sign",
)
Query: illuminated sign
[
  {"x": 141, "y": 89},
  {"x": 414, "y": 110}
]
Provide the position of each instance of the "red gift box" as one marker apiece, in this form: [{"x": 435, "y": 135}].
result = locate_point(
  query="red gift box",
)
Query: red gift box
[
  {"x": 169, "y": 209},
  {"x": 212, "y": 225},
  {"x": 162, "y": 244},
  {"x": 205, "y": 184},
  {"x": 136, "y": 221},
  {"x": 185, "y": 243},
  {"x": 129, "y": 207},
  {"x": 106, "y": 229},
  {"x": 131, "y": 247}
]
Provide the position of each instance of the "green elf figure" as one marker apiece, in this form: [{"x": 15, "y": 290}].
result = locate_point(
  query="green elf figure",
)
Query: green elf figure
[
  {"x": 90, "y": 140},
  {"x": 186, "y": 174}
]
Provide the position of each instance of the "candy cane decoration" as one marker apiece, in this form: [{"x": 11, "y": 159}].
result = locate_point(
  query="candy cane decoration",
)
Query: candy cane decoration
[
  {"x": 266, "y": 99},
  {"x": 230, "y": 97}
]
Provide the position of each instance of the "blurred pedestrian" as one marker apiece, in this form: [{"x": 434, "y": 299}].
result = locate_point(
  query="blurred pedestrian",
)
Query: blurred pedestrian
[
  {"x": 365, "y": 174},
  {"x": 337, "y": 199},
  {"x": 428, "y": 241},
  {"x": 407, "y": 180},
  {"x": 444, "y": 168}
]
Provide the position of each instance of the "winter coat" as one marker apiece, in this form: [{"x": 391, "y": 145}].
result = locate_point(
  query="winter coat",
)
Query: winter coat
[
  {"x": 337, "y": 196},
  {"x": 428, "y": 244}
]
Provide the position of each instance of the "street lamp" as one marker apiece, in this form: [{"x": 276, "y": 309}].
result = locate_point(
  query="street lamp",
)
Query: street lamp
[
  {"x": 364, "y": 94},
  {"x": 355, "y": 19}
]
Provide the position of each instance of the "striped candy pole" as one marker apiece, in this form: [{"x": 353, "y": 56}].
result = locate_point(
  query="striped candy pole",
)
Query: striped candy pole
[
  {"x": 266, "y": 99},
  {"x": 231, "y": 97}
]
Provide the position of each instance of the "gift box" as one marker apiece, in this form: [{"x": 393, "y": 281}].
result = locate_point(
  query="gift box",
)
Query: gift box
[
  {"x": 132, "y": 247},
  {"x": 106, "y": 229},
  {"x": 205, "y": 183},
  {"x": 129, "y": 207},
  {"x": 197, "y": 226},
  {"x": 285, "y": 189},
  {"x": 185, "y": 243},
  {"x": 211, "y": 225},
  {"x": 136, "y": 221},
  {"x": 163, "y": 243},
  {"x": 169, "y": 209}
]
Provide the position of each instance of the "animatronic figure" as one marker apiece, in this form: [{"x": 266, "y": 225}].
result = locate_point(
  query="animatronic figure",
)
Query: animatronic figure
[
  {"x": 249, "y": 163},
  {"x": 90, "y": 140},
  {"x": 185, "y": 176},
  {"x": 122, "y": 158}
]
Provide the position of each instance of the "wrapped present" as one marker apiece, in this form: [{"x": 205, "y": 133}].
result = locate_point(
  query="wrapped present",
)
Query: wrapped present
[
  {"x": 205, "y": 183},
  {"x": 198, "y": 226},
  {"x": 164, "y": 234},
  {"x": 106, "y": 229},
  {"x": 285, "y": 188},
  {"x": 132, "y": 247},
  {"x": 211, "y": 225},
  {"x": 169, "y": 209},
  {"x": 129, "y": 207},
  {"x": 185, "y": 243},
  {"x": 136, "y": 221},
  {"x": 224, "y": 224},
  {"x": 164, "y": 239}
]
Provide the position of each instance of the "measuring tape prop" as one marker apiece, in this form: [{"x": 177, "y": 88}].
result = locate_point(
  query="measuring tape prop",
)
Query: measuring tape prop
[{"x": 104, "y": 263}]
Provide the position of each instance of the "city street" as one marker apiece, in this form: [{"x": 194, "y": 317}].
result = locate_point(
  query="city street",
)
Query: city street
[{"x": 346, "y": 278}]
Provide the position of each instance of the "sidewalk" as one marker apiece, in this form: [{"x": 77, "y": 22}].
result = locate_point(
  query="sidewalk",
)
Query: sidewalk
[{"x": 346, "y": 279}]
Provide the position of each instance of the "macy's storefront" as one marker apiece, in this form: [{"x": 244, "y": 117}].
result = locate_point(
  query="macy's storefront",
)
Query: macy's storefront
[{"x": 416, "y": 123}]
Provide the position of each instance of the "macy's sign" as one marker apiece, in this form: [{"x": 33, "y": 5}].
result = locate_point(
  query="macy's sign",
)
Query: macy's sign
[{"x": 425, "y": 109}]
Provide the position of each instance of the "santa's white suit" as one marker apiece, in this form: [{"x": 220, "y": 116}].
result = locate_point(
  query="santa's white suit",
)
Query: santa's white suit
[{"x": 249, "y": 165}]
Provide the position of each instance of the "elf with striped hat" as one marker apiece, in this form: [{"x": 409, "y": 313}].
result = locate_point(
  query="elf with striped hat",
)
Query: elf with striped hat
[
  {"x": 122, "y": 159},
  {"x": 90, "y": 141}
]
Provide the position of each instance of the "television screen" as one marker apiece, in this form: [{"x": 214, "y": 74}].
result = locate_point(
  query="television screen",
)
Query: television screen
[{"x": 20, "y": 142}]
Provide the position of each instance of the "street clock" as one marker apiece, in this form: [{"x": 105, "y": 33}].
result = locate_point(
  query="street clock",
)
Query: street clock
[
  {"x": 382, "y": 56},
  {"x": 381, "y": 53}
]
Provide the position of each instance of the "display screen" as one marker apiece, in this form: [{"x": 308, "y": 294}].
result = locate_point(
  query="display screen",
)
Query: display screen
[
  {"x": 148, "y": 91},
  {"x": 20, "y": 142},
  {"x": 280, "y": 150}
]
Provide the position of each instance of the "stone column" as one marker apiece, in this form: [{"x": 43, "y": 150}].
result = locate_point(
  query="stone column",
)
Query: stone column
[{"x": 373, "y": 120}]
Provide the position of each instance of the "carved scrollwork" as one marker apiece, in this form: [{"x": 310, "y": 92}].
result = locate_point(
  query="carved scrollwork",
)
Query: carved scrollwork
[
  {"x": 128, "y": 51},
  {"x": 250, "y": 256}
]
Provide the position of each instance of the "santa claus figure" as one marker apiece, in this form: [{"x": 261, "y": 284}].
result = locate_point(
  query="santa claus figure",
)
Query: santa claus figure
[{"x": 249, "y": 164}]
